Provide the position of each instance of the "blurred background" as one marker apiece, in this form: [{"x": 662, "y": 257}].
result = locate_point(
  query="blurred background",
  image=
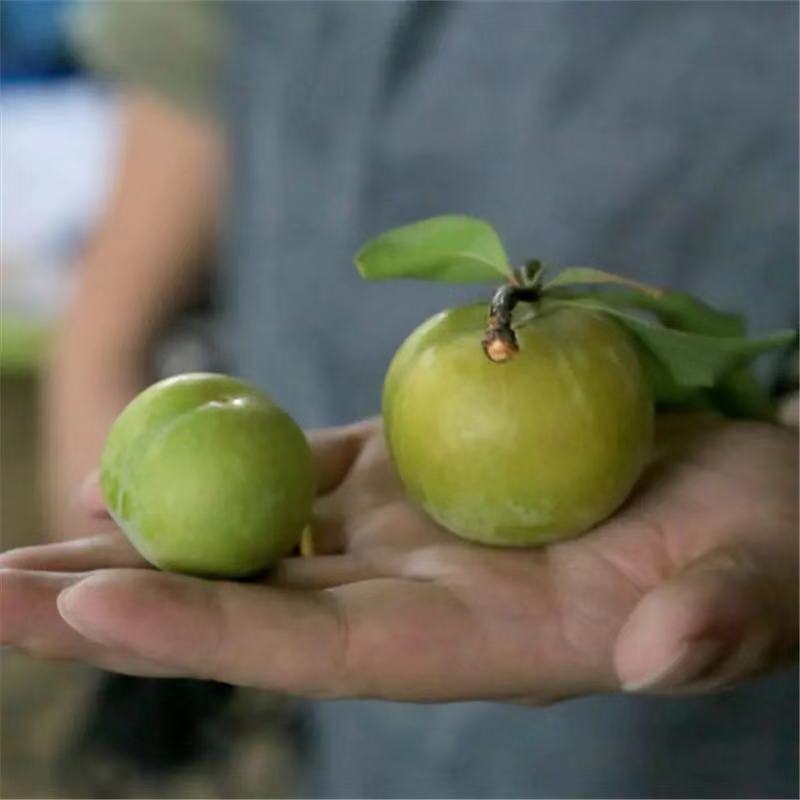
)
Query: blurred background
[
  {"x": 67, "y": 126},
  {"x": 67, "y": 730}
]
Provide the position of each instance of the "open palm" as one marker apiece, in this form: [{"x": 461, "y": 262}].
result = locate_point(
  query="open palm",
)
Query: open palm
[{"x": 691, "y": 586}]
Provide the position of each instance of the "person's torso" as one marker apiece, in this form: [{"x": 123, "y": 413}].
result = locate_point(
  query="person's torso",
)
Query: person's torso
[{"x": 655, "y": 139}]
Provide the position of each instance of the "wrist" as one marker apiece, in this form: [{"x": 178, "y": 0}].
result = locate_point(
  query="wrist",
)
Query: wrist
[
  {"x": 86, "y": 346},
  {"x": 85, "y": 352}
]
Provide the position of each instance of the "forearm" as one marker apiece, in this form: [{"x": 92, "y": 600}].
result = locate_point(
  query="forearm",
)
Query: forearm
[
  {"x": 140, "y": 268},
  {"x": 143, "y": 261}
]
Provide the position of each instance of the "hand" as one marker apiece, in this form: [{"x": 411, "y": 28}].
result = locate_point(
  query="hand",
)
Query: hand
[{"x": 692, "y": 586}]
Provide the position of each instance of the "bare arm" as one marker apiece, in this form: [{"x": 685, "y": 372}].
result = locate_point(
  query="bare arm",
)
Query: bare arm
[{"x": 141, "y": 266}]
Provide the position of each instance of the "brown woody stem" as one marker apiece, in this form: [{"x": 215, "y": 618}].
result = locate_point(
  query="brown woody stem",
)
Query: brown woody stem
[{"x": 500, "y": 342}]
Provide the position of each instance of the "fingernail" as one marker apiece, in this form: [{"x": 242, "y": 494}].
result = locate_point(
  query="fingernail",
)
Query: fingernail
[
  {"x": 690, "y": 662},
  {"x": 65, "y": 602}
]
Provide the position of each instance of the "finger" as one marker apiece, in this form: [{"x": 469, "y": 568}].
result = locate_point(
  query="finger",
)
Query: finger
[
  {"x": 30, "y": 622},
  {"x": 240, "y": 633},
  {"x": 90, "y": 497},
  {"x": 326, "y": 534},
  {"x": 386, "y": 638},
  {"x": 324, "y": 572},
  {"x": 341, "y": 525},
  {"x": 395, "y": 639},
  {"x": 713, "y": 625},
  {"x": 334, "y": 450},
  {"x": 78, "y": 555},
  {"x": 27, "y": 606},
  {"x": 327, "y": 530}
]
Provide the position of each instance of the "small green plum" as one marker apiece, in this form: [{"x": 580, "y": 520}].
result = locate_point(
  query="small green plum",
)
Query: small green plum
[
  {"x": 533, "y": 450},
  {"x": 207, "y": 476}
]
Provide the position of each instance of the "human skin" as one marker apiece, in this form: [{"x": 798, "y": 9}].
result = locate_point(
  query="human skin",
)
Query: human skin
[
  {"x": 141, "y": 266},
  {"x": 690, "y": 587}
]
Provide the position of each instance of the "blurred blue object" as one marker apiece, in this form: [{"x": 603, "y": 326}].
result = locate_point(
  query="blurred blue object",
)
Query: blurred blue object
[{"x": 34, "y": 43}]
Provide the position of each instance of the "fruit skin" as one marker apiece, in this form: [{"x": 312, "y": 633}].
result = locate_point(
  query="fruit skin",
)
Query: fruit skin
[
  {"x": 207, "y": 476},
  {"x": 533, "y": 450}
]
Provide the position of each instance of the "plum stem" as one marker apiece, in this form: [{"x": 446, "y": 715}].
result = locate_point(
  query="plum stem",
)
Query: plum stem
[{"x": 499, "y": 341}]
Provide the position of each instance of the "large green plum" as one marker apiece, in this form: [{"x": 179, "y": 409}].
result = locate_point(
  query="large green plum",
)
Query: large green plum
[
  {"x": 539, "y": 448},
  {"x": 206, "y": 475}
]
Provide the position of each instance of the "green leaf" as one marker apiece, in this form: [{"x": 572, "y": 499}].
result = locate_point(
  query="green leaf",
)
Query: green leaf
[
  {"x": 668, "y": 393},
  {"x": 680, "y": 311},
  {"x": 692, "y": 360},
  {"x": 696, "y": 360},
  {"x": 455, "y": 249},
  {"x": 739, "y": 394},
  {"x": 590, "y": 275},
  {"x": 736, "y": 393}
]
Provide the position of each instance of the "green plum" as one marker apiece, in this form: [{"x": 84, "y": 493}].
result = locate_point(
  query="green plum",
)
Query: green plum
[
  {"x": 533, "y": 450},
  {"x": 207, "y": 476}
]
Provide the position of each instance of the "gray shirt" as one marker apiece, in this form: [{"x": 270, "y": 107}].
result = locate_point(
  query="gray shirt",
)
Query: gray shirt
[{"x": 656, "y": 139}]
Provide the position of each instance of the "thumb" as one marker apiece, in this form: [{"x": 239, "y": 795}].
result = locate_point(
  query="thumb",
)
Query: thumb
[
  {"x": 90, "y": 496},
  {"x": 719, "y": 621}
]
